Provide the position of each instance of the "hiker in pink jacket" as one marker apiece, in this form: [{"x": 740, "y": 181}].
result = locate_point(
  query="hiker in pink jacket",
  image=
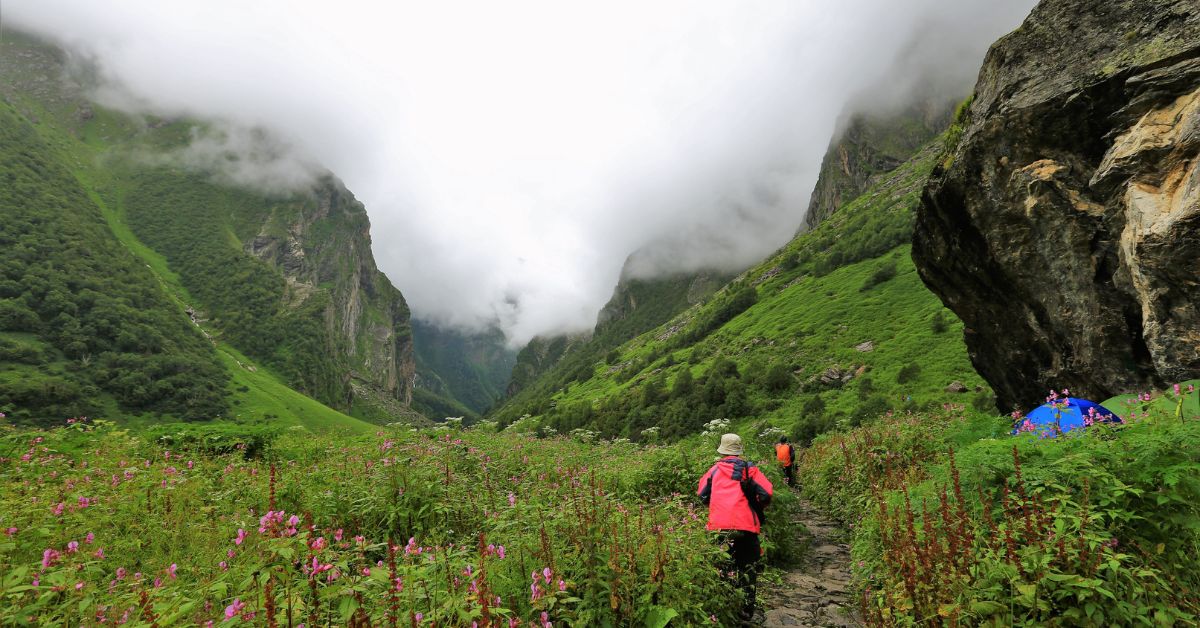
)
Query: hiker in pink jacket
[{"x": 736, "y": 494}]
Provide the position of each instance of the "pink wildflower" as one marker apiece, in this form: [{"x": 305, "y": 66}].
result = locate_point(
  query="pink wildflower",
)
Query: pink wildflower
[
  {"x": 90, "y": 538},
  {"x": 171, "y": 570},
  {"x": 72, "y": 547},
  {"x": 241, "y": 536},
  {"x": 234, "y": 609}
]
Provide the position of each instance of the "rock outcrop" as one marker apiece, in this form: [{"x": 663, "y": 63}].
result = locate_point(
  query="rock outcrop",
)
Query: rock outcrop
[
  {"x": 869, "y": 147},
  {"x": 325, "y": 247},
  {"x": 1065, "y": 227}
]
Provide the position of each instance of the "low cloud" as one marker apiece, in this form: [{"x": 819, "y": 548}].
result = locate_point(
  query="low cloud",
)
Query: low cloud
[
  {"x": 513, "y": 155},
  {"x": 242, "y": 157}
]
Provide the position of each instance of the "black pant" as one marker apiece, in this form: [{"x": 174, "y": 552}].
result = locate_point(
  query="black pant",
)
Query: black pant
[
  {"x": 789, "y": 473},
  {"x": 744, "y": 552}
]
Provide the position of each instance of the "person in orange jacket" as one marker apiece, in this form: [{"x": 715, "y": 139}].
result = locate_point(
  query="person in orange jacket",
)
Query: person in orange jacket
[
  {"x": 786, "y": 455},
  {"x": 736, "y": 493}
]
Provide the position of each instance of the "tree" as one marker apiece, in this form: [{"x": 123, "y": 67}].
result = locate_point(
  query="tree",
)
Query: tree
[
  {"x": 779, "y": 378},
  {"x": 683, "y": 384}
]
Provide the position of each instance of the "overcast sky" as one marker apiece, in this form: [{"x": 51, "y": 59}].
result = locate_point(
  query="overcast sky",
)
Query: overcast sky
[{"x": 513, "y": 154}]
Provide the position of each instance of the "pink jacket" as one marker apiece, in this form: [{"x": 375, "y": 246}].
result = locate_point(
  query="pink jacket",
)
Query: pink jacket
[{"x": 728, "y": 508}]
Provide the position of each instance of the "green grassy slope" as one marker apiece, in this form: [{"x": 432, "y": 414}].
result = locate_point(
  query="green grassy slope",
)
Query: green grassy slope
[{"x": 757, "y": 350}]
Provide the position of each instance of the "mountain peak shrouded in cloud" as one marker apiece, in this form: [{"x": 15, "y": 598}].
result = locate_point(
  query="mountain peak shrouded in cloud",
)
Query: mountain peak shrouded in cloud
[{"x": 513, "y": 155}]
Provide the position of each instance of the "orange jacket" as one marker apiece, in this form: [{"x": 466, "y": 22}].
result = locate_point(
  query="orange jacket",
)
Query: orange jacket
[
  {"x": 728, "y": 508},
  {"x": 785, "y": 454}
]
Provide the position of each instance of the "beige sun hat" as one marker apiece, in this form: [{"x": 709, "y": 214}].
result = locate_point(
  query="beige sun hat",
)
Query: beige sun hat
[{"x": 731, "y": 445}]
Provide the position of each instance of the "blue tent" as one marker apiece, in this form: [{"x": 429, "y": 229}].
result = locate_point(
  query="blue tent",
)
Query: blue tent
[{"x": 1044, "y": 416}]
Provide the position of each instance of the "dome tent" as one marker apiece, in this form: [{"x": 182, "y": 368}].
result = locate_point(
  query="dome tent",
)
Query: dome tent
[{"x": 1067, "y": 413}]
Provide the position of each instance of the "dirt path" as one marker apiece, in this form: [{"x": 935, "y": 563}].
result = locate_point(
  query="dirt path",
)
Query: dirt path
[{"x": 817, "y": 592}]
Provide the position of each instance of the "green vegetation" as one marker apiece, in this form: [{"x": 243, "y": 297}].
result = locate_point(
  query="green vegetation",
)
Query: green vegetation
[
  {"x": 193, "y": 260},
  {"x": 188, "y": 220},
  {"x": 957, "y": 522},
  {"x": 814, "y": 338},
  {"x": 958, "y": 125},
  {"x": 95, "y": 332},
  {"x": 459, "y": 373},
  {"x": 260, "y": 525},
  {"x": 638, "y": 306}
]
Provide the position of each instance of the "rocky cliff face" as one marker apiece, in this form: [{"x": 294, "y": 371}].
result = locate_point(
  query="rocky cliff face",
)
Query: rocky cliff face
[
  {"x": 323, "y": 244},
  {"x": 1065, "y": 228},
  {"x": 870, "y": 146}
]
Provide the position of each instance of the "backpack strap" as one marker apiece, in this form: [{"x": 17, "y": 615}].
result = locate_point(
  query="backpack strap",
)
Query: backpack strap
[{"x": 706, "y": 492}]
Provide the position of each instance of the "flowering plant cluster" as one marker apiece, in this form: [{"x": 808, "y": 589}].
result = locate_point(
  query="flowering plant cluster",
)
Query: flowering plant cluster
[
  {"x": 403, "y": 528},
  {"x": 955, "y": 522}
]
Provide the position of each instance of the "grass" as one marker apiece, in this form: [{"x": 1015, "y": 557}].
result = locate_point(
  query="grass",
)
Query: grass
[{"x": 258, "y": 395}]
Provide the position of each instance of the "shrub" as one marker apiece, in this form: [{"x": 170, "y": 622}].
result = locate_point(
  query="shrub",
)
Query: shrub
[
  {"x": 778, "y": 378},
  {"x": 908, "y": 373},
  {"x": 881, "y": 274},
  {"x": 938, "y": 323}
]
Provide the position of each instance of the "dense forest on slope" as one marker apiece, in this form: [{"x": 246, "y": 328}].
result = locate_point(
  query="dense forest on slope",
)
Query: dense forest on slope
[
  {"x": 84, "y": 326},
  {"x": 180, "y": 215},
  {"x": 283, "y": 283}
]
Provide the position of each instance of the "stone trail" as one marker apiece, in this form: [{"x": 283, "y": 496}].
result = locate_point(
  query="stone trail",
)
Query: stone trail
[{"x": 817, "y": 593}]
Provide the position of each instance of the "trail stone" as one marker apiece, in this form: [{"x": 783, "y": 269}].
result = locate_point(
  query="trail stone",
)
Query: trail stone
[
  {"x": 956, "y": 387},
  {"x": 816, "y": 592}
]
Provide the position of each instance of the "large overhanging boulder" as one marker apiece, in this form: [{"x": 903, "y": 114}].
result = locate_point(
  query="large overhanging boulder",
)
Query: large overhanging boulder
[{"x": 1064, "y": 229}]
